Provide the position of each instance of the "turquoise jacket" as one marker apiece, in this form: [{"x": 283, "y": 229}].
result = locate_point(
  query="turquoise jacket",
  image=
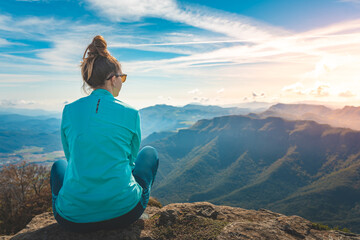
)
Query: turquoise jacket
[{"x": 101, "y": 138}]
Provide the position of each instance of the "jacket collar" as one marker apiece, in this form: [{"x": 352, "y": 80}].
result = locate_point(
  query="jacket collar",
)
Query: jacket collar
[{"x": 101, "y": 91}]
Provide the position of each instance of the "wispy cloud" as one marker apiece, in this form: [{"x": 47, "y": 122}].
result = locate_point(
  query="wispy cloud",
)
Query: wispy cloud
[
  {"x": 322, "y": 90},
  {"x": 132, "y": 11},
  {"x": 232, "y": 52},
  {"x": 28, "y": 26},
  {"x": 347, "y": 94},
  {"x": 318, "y": 89},
  {"x": 221, "y": 90},
  {"x": 21, "y": 78},
  {"x": 350, "y": 1},
  {"x": 178, "y": 43},
  {"x": 327, "y": 48},
  {"x": 67, "y": 41},
  {"x": 4, "y": 42},
  {"x": 205, "y": 18},
  {"x": 30, "y": 103},
  {"x": 272, "y": 48},
  {"x": 195, "y": 91},
  {"x": 297, "y": 88}
]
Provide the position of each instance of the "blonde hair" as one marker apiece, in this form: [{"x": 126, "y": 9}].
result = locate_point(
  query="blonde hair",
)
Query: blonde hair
[{"x": 98, "y": 64}]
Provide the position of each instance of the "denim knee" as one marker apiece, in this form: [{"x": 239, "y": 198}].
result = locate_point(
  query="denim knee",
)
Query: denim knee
[
  {"x": 57, "y": 175},
  {"x": 147, "y": 157},
  {"x": 58, "y": 165},
  {"x": 146, "y": 165},
  {"x": 149, "y": 152}
]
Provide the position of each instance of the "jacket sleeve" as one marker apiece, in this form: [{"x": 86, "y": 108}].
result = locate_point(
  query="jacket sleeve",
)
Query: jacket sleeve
[
  {"x": 135, "y": 142},
  {"x": 63, "y": 137}
]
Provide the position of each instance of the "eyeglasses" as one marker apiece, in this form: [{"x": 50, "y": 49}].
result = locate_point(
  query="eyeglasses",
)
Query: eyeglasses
[{"x": 123, "y": 77}]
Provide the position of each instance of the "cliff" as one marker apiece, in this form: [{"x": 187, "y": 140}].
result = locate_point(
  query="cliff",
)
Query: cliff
[{"x": 201, "y": 220}]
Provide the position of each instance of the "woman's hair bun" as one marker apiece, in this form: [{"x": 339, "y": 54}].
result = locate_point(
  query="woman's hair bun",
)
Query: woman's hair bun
[
  {"x": 98, "y": 46},
  {"x": 98, "y": 63}
]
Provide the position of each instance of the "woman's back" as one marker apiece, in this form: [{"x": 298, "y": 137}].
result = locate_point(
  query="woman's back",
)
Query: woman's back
[
  {"x": 101, "y": 137},
  {"x": 105, "y": 181}
]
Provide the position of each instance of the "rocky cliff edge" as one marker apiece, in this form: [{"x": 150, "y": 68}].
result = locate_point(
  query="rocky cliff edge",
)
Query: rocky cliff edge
[{"x": 201, "y": 220}]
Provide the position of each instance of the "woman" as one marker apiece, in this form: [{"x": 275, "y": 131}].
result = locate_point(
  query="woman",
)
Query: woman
[{"x": 105, "y": 183}]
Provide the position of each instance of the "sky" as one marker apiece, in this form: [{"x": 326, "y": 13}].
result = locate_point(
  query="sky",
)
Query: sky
[{"x": 179, "y": 52}]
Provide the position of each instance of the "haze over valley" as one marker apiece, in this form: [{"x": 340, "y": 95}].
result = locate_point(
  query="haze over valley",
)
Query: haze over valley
[{"x": 291, "y": 158}]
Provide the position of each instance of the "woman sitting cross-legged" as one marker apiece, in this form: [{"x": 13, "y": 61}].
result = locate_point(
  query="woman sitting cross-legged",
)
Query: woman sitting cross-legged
[{"x": 105, "y": 182}]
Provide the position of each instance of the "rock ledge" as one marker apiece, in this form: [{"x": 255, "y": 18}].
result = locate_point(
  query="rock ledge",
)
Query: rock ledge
[{"x": 201, "y": 220}]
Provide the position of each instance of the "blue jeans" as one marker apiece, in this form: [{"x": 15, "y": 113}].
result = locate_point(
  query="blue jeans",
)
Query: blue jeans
[{"x": 146, "y": 166}]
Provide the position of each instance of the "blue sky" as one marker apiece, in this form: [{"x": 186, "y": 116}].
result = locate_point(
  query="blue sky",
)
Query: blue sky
[{"x": 177, "y": 52}]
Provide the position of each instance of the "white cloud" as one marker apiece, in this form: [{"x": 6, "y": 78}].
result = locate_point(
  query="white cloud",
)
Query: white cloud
[
  {"x": 46, "y": 104},
  {"x": 26, "y": 102},
  {"x": 350, "y": 1},
  {"x": 303, "y": 47},
  {"x": 63, "y": 54},
  {"x": 319, "y": 89},
  {"x": 347, "y": 94},
  {"x": 214, "y": 20},
  {"x": 327, "y": 64},
  {"x": 21, "y": 78},
  {"x": 263, "y": 43},
  {"x": 327, "y": 49},
  {"x": 221, "y": 90},
  {"x": 173, "y": 42},
  {"x": 19, "y": 102},
  {"x": 164, "y": 100},
  {"x": 68, "y": 41},
  {"x": 235, "y": 56},
  {"x": 297, "y": 88},
  {"x": 201, "y": 99},
  {"x": 195, "y": 91},
  {"x": 131, "y": 11},
  {"x": 4, "y": 42},
  {"x": 28, "y": 26}
]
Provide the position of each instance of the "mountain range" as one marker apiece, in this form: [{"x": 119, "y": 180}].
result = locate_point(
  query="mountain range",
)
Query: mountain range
[
  {"x": 39, "y": 113},
  {"x": 25, "y": 127},
  {"x": 348, "y": 116},
  {"x": 292, "y": 167},
  {"x": 34, "y": 135},
  {"x": 160, "y": 118},
  {"x": 17, "y": 131}
]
